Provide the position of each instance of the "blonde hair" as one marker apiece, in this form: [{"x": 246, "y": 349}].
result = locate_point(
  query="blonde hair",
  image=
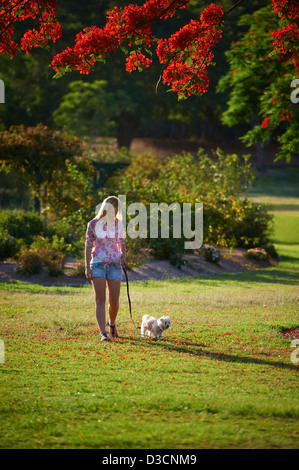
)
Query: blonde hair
[{"x": 106, "y": 205}]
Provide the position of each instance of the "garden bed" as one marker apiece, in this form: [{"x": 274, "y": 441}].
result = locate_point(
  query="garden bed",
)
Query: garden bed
[{"x": 151, "y": 269}]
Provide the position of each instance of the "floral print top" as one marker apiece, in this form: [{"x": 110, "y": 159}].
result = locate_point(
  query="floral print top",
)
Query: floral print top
[{"x": 107, "y": 245}]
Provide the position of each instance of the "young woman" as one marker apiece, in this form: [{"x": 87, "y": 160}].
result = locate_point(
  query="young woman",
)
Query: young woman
[{"x": 105, "y": 254}]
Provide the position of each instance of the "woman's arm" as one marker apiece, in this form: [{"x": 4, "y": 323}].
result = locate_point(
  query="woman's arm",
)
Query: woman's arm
[
  {"x": 89, "y": 241},
  {"x": 87, "y": 262}
]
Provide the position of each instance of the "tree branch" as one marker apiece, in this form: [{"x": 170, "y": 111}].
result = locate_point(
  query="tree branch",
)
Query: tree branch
[
  {"x": 233, "y": 7},
  {"x": 225, "y": 14}
]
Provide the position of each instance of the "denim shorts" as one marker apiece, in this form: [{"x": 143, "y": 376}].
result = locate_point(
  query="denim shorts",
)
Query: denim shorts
[{"x": 108, "y": 270}]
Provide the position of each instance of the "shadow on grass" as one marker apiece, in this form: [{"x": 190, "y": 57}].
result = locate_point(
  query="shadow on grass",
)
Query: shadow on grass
[
  {"x": 284, "y": 207},
  {"x": 198, "y": 351}
]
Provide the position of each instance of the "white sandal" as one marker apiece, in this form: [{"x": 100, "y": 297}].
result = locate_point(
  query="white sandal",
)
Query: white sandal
[{"x": 104, "y": 337}]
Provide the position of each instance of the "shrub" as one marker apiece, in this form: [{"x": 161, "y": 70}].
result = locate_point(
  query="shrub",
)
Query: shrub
[
  {"x": 49, "y": 156},
  {"x": 270, "y": 249},
  {"x": 50, "y": 251},
  {"x": 56, "y": 265},
  {"x": 257, "y": 254},
  {"x": 29, "y": 262},
  {"x": 171, "y": 249},
  {"x": 210, "y": 253},
  {"x": 8, "y": 245},
  {"x": 253, "y": 226},
  {"x": 21, "y": 224},
  {"x": 46, "y": 245},
  {"x": 236, "y": 222},
  {"x": 72, "y": 230},
  {"x": 69, "y": 228},
  {"x": 219, "y": 183},
  {"x": 136, "y": 252},
  {"x": 80, "y": 268}
]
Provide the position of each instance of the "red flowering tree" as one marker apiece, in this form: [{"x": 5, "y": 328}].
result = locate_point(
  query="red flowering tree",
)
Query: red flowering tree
[
  {"x": 260, "y": 83},
  {"x": 184, "y": 56},
  {"x": 14, "y": 11}
]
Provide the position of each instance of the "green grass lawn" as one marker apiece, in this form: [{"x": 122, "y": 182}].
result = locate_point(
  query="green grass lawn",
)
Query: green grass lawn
[{"x": 222, "y": 377}]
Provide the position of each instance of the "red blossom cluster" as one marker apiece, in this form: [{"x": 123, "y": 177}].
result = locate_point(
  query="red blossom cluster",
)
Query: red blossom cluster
[
  {"x": 131, "y": 24},
  {"x": 137, "y": 61},
  {"x": 13, "y": 11},
  {"x": 286, "y": 39},
  {"x": 188, "y": 53},
  {"x": 185, "y": 55},
  {"x": 286, "y": 115},
  {"x": 266, "y": 123},
  {"x": 283, "y": 8}
]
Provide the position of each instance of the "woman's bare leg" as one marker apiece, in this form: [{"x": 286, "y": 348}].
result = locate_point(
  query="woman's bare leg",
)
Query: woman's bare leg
[
  {"x": 99, "y": 286},
  {"x": 114, "y": 291}
]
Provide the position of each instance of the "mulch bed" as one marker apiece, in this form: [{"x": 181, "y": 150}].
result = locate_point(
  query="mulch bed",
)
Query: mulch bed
[{"x": 151, "y": 270}]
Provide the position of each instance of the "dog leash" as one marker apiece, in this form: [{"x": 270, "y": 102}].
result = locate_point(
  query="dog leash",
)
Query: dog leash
[{"x": 128, "y": 294}]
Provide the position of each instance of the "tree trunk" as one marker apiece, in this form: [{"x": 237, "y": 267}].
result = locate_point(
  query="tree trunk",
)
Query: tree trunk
[
  {"x": 260, "y": 157},
  {"x": 260, "y": 150},
  {"x": 127, "y": 126}
]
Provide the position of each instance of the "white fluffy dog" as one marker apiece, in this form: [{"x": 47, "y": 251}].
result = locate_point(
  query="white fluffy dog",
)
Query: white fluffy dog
[{"x": 154, "y": 327}]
